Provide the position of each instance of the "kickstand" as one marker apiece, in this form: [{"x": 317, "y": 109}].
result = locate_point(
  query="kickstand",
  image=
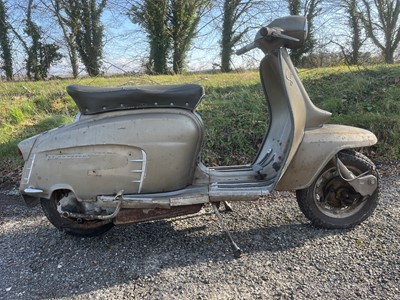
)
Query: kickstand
[
  {"x": 228, "y": 207},
  {"x": 236, "y": 250}
]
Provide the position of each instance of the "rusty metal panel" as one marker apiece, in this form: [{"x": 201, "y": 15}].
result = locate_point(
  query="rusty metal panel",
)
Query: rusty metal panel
[{"x": 130, "y": 216}]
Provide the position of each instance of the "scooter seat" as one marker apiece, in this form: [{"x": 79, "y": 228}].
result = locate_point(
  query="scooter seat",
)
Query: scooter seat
[{"x": 94, "y": 100}]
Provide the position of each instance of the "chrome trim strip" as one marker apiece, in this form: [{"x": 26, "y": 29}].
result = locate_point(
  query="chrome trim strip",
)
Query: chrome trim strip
[
  {"x": 30, "y": 169},
  {"x": 32, "y": 191},
  {"x": 144, "y": 158},
  {"x": 141, "y": 171}
]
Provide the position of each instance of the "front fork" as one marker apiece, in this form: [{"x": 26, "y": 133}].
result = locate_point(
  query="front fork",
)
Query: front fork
[{"x": 365, "y": 183}]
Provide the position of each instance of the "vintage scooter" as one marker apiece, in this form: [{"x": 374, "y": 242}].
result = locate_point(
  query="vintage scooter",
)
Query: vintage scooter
[{"x": 132, "y": 154}]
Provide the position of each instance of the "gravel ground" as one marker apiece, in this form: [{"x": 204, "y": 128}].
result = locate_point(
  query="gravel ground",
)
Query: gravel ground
[{"x": 189, "y": 258}]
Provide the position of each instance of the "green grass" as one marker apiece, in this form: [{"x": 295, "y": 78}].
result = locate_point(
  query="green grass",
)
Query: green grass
[
  {"x": 233, "y": 109},
  {"x": 368, "y": 98}
]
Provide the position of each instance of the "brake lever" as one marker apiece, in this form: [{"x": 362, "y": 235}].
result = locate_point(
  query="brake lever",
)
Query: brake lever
[{"x": 284, "y": 36}]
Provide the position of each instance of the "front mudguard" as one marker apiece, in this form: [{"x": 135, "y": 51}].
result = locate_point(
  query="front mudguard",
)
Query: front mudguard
[{"x": 318, "y": 147}]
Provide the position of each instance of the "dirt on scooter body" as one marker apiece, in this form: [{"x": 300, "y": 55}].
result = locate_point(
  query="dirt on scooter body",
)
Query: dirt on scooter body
[{"x": 132, "y": 155}]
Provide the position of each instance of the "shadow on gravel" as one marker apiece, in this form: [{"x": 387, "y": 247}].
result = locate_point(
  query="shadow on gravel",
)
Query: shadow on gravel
[
  {"x": 39, "y": 262},
  {"x": 48, "y": 264}
]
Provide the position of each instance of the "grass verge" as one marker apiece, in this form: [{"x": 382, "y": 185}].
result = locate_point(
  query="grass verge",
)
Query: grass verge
[{"x": 233, "y": 110}]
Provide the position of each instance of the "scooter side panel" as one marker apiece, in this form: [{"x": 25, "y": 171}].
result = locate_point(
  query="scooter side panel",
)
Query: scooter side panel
[
  {"x": 146, "y": 151},
  {"x": 318, "y": 147}
]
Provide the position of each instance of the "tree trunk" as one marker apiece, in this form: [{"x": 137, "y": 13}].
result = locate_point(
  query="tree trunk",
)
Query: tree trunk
[
  {"x": 227, "y": 34},
  {"x": 5, "y": 43},
  {"x": 158, "y": 55},
  {"x": 354, "y": 21},
  {"x": 389, "y": 55}
]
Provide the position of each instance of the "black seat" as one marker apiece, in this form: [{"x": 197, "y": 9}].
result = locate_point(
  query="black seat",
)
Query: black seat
[{"x": 94, "y": 100}]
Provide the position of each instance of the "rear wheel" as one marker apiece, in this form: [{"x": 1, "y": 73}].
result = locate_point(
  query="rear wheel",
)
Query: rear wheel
[
  {"x": 331, "y": 202},
  {"x": 73, "y": 226}
]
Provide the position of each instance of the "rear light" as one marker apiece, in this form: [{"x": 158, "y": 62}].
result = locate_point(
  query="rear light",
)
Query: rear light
[{"x": 25, "y": 147}]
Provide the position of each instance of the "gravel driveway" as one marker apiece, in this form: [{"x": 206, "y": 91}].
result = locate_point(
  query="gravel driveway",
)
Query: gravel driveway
[{"x": 190, "y": 258}]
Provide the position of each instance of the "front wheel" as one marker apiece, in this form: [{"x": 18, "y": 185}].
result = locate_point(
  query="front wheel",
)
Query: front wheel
[
  {"x": 72, "y": 226},
  {"x": 331, "y": 202}
]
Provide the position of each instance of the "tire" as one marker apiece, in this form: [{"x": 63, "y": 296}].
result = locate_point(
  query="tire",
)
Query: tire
[
  {"x": 72, "y": 226},
  {"x": 331, "y": 202}
]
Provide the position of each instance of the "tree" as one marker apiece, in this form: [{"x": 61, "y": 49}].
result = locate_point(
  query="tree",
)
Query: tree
[
  {"x": 170, "y": 25},
  {"x": 354, "y": 30},
  {"x": 85, "y": 34},
  {"x": 65, "y": 19},
  {"x": 183, "y": 20},
  {"x": 40, "y": 55},
  {"x": 309, "y": 9},
  {"x": 89, "y": 35},
  {"x": 354, "y": 21},
  {"x": 231, "y": 30},
  {"x": 5, "y": 43},
  {"x": 152, "y": 16},
  {"x": 382, "y": 20}
]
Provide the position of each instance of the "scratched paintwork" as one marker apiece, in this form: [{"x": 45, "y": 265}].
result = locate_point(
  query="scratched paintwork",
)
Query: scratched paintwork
[{"x": 138, "y": 151}]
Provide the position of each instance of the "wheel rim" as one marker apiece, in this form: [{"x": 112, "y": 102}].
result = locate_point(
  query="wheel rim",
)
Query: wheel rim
[{"x": 335, "y": 197}]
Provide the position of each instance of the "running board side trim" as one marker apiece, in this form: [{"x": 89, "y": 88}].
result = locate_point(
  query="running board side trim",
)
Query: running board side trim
[{"x": 185, "y": 197}]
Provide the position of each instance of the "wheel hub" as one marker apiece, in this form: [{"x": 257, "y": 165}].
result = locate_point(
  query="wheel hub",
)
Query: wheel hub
[
  {"x": 338, "y": 193},
  {"x": 335, "y": 197},
  {"x": 70, "y": 208}
]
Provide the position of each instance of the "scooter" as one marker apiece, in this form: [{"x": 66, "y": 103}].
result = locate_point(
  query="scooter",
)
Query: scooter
[{"x": 133, "y": 153}]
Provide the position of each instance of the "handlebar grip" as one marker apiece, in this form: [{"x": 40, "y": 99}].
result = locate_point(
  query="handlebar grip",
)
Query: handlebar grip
[
  {"x": 245, "y": 49},
  {"x": 266, "y": 31},
  {"x": 241, "y": 51}
]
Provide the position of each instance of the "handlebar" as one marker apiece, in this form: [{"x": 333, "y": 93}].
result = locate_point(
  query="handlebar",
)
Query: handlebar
[
  {"x": 266, "y": 32},
  {"x": 246, "y": 48}
]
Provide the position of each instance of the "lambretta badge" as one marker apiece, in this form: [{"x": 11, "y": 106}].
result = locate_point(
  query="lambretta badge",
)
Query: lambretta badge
[
  {"x": 67, "y": 156},
  {"x": 289, "y": 76}
]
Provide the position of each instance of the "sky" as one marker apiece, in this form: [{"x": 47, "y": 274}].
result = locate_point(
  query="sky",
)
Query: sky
[
  {"x": 125, "y": 43},
  {"x": 126, "y": 47},
  {"x": 124, "y": 53}
]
